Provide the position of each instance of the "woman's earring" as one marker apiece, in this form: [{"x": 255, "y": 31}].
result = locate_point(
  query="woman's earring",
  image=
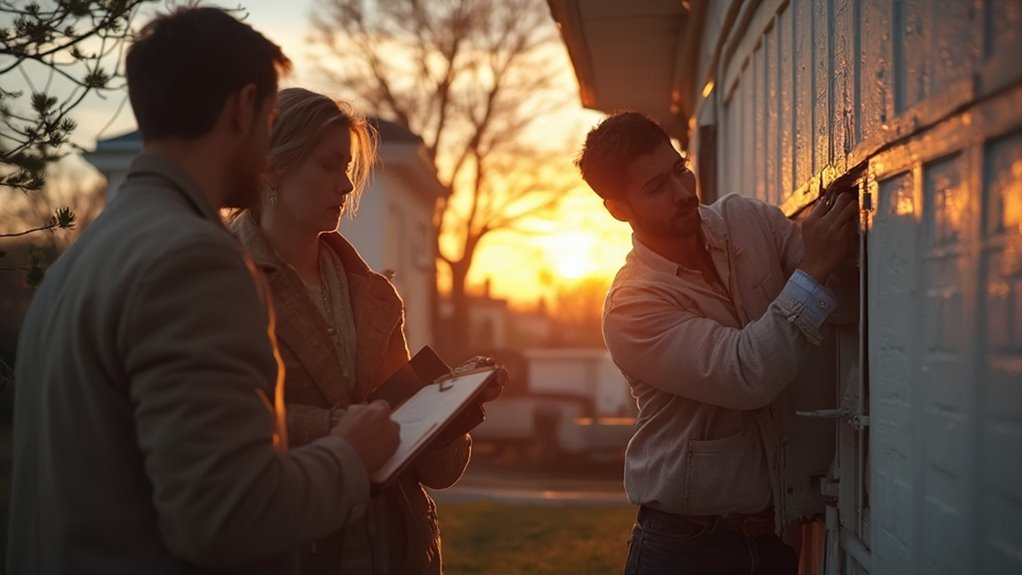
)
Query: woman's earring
[{"x": 273, "y": 196}]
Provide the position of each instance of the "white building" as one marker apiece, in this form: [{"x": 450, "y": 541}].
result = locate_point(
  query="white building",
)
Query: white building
[
  {"x": 917, "y": 107},
  {"x": 394, "y": 227}
]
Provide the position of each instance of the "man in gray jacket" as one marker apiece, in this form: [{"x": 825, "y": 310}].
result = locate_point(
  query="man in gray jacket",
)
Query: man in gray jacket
[
  {"x": 710, "y": 317},
  {"x": 148, "y": 431}
]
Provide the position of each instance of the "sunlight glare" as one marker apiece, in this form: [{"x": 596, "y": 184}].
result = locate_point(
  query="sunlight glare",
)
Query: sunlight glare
[{"x": 571, "y": 267}]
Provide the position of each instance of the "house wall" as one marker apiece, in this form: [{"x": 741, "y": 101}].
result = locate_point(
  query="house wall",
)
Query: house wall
[
  {"x": 365, "y": 231},
  {"x": 393, "y": 231},
  {"x": 921, "y": 103},
  {"x": 945, "y": 278}
]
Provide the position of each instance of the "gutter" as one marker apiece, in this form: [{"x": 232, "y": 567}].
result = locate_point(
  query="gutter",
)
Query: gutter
[{"x": 569, "y": 23}]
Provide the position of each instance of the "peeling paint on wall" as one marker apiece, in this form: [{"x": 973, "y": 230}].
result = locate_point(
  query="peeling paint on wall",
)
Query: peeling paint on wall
[{"x": 928, "y": 96}]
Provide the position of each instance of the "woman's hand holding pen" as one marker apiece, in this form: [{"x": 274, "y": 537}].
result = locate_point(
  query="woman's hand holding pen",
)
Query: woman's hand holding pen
[{"x": 370, "y": 431}]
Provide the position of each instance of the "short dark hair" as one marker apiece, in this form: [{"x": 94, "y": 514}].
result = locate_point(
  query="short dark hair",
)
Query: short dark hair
[
  {"x": 613, "y": 144},
  {"x": 183, "y": 66}
]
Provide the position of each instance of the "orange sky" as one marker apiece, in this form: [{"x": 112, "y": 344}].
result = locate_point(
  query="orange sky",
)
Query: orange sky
[{"x": 581, "y": 240}]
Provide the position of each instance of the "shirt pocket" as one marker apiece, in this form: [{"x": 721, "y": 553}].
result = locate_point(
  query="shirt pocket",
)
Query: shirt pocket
[{"x": 721, "y": 473}]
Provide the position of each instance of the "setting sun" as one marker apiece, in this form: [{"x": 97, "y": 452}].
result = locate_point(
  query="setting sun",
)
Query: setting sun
[
  {"x": 571, "y": 267},
  {"x": 570, "y": 253},
  {"x": 581, "y": 240}
]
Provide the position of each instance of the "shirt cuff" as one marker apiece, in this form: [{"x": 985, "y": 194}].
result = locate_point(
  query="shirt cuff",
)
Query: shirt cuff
[
  {"x": 809, "y": 303},
  {"x": 818, "y": 301}
]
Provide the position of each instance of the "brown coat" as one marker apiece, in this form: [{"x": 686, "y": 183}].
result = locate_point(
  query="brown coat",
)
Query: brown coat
[{"x": 412, "y": 540}]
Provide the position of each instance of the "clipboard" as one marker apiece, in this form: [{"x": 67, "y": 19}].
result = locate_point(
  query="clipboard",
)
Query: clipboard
[
  {"x": 427, "y": 413},
  {"x": 424, "y": 368}
]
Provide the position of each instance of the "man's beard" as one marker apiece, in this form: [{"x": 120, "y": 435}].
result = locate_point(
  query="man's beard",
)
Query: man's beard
[{"x": 685, "y": 223}]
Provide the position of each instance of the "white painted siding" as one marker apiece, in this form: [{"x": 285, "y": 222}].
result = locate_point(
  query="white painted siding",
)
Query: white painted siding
[
  {"x": 925, "y": 97},
  {"x": 393, "y": 231},
  {"x": 366, "y": 231},
  {"x": 946, "y": 284}
]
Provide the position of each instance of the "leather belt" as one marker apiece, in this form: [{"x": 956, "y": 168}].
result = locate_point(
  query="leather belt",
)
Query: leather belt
[{"x": 752, "y": 525}]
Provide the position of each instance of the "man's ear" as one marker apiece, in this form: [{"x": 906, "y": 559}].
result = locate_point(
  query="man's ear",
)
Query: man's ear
[
  {"x": 619, "y": 209},
  {"x": 243, "y": 106}
]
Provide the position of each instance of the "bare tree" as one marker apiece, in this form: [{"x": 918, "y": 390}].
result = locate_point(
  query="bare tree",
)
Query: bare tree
[{"x": 470, "y": 77}]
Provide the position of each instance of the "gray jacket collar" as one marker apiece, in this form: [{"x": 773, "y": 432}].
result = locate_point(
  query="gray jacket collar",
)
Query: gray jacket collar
[{"x": 157, "y": 167}]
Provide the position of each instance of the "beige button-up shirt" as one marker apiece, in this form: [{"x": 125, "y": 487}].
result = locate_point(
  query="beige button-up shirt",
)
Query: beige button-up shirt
[{"x": 706, "y": 363}]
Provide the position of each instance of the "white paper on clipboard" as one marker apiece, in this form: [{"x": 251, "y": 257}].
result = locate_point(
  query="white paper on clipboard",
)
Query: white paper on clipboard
[{"x": 424, "y": 415}]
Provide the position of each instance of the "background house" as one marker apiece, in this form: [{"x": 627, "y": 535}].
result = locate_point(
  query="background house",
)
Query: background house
[
  {"x": 394, "y": 228},
  {"x": 917, "y": 108},
  {"x": 489, "y": 322}
]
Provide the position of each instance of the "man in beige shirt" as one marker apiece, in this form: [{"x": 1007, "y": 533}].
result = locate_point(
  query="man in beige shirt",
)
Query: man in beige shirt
[
  {"x": 149, "y": 428},
  {"x": 709, "y": 319}
]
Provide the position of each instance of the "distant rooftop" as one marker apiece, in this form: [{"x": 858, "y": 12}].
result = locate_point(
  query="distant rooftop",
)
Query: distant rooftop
[
  {"x": 390, "y": 133},
  {"x": 129, "y": 142},
  {"x": 393, "y": 132}
]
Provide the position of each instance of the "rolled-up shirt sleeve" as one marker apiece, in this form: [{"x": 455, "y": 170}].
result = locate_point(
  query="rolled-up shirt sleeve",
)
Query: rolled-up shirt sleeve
[
  {"x": 816, "y": 301},
  {"x": 664, "y": 343}
]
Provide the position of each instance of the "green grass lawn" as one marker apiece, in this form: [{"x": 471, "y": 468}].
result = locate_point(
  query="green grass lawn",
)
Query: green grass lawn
[{"x": 514, "y": 539}]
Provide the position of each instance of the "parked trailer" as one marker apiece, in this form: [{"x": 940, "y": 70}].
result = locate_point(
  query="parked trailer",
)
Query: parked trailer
[{"x": 575, "y": 402}]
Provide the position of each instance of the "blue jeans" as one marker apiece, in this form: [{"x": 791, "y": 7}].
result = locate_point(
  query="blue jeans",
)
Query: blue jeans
[{"x": 666, "y": 544}]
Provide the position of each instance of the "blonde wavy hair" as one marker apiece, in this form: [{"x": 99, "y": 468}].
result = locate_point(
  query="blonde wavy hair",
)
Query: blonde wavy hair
[{"x": 302, "y": 116}]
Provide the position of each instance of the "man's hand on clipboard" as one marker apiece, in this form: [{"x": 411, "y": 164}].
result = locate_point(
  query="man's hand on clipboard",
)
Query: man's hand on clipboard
[{"x": 370, "y": 431}]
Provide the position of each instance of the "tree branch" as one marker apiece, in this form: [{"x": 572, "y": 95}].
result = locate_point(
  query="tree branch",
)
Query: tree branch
[
  {"x": 470, "y": 77},
  {"x": 48, "y": 226}
]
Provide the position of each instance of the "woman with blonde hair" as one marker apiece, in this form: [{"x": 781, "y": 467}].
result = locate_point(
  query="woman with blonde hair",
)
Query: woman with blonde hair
[{"x": 339, "y": 326}]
